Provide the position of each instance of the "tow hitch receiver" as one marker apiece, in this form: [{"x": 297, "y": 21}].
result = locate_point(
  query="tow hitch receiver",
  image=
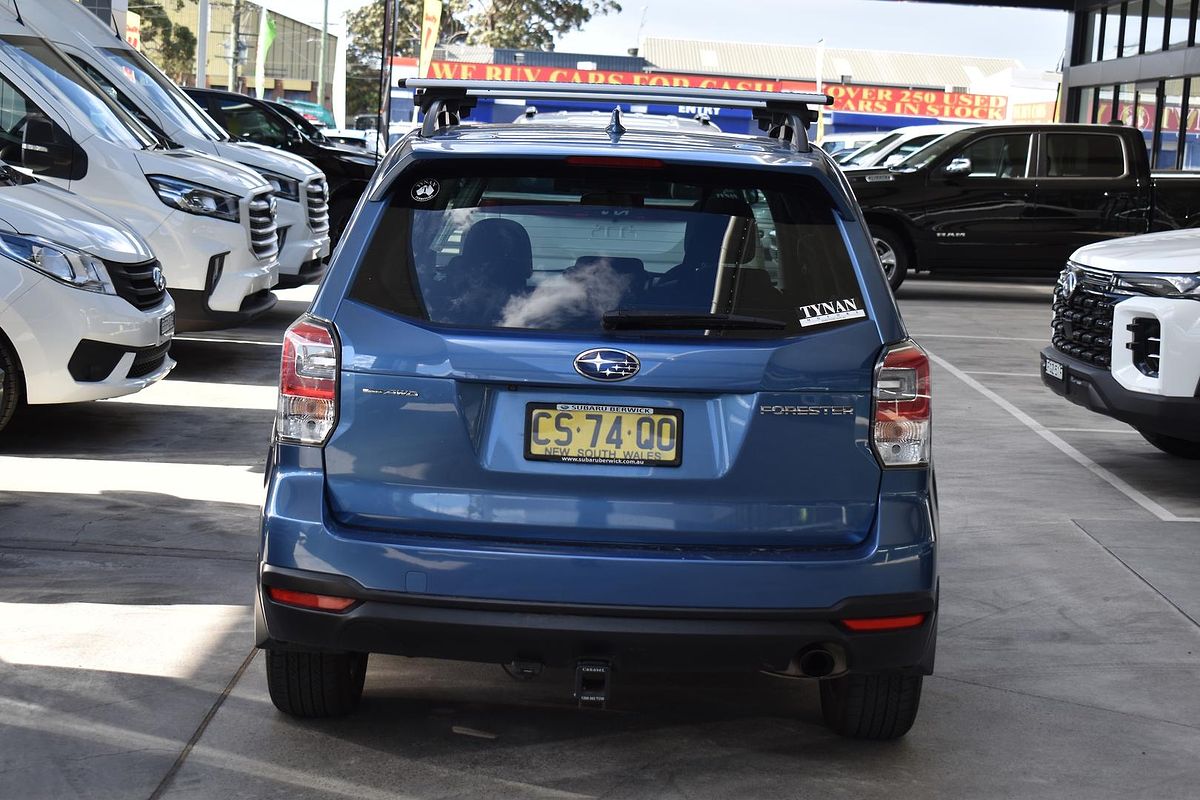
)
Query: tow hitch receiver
[{"x": 591, "y": 683}]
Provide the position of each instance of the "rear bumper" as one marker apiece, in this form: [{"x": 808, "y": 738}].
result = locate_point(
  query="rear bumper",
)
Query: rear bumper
[
  {"x": 558, "y": 635},
  {"x": 640, "y": 607},
  {"x": 1096, "y": 389}
]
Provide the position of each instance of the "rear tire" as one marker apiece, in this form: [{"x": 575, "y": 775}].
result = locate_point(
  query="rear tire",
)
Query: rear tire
[
  {"x": 309, "y": 684},
  {"x": 1180, "y": 448},
  {"x": 893, "y": 254},
  {"x": 10, "y": 382},
  {"x": 871, "y": 706}
]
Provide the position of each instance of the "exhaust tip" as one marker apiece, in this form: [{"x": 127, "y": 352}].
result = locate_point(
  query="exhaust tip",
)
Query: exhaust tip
[{"x": 817, "y": 663}]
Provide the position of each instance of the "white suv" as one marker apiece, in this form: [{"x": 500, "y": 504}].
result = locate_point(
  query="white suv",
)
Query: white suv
[
  {"x": 84, "y": 312},
  {"x": 1125, "y": 340}
]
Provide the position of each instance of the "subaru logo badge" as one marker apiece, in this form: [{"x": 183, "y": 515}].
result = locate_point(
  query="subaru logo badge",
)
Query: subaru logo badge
[
  {"x": 604, "y": 364},
  {"x": 160, "y": 280},
  {"x": 1068, "y": 282}
]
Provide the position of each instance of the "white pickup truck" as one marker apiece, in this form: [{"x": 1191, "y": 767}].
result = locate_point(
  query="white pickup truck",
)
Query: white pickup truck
[{"x": 1126, "y": 336}]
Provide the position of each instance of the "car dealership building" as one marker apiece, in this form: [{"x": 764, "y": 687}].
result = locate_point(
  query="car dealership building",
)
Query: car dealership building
[{"x": 1136, "y": 63}]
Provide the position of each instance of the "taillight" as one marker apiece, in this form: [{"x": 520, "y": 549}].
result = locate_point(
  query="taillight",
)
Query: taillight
[
  {"x": 307, "y": 383},
  {"x": 901, "y": 433}
]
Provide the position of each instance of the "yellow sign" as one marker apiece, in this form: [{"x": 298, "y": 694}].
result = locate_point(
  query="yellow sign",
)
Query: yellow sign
[
  {"x": 431, "y": 25},
  {"x": 595, "y": 434}
]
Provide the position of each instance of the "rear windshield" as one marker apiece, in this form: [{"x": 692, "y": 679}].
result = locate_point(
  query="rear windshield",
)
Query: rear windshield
[{"x": 553, "y": 247}]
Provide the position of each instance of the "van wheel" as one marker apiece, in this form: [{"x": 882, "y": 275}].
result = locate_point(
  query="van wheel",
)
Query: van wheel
[
  {"x": 1180, "y": 448},
  {"x": 10, "y": 383},
  {"x": 871, "y": 706},
  {"x": 309, "y": 684},
  {"x": 893, "y": 255}
]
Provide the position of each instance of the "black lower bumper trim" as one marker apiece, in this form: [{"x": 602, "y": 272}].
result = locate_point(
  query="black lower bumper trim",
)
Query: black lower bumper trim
[
  {"x": 557, "y": 635},
  {"x": 310, "y": 272},
  {"x": 193, "y": 314},
  {"x": 1096, "y": 389},
  {"x": 94, "y": 361}
]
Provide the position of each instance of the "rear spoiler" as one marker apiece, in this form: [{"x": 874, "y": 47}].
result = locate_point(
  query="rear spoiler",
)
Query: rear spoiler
[{"x": 783, "y": 115}]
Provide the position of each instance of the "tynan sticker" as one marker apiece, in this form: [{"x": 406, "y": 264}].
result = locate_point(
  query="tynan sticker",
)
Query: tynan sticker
[
  {"x": 830, "y": 311},
  {"x": 426, "y": 190}
]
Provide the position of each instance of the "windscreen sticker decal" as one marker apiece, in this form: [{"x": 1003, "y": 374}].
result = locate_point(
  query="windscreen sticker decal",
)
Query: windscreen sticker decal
[
  {"x": 830, "y": 311},
  {"x": 426, "y": 190}
]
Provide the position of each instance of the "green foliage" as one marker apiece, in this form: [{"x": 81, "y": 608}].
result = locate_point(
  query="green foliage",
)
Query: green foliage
[
  {"x": 531, "y": 23},
  {"x": 528, "y": 24},
  {"x": 171, "y": 46}
]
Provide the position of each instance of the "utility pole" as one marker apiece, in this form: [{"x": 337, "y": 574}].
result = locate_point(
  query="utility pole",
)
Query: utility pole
[
  {"x": 235, "y": 30},
  {"x": 202, "y": 47},
  {"x": 321, "y": 60}
]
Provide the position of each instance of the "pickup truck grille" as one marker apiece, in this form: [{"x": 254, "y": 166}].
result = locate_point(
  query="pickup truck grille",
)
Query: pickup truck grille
[
  {"x": 136, "y": 283},
  {"x": 263, "y": 238},
  {"x": 1083, "y": 318},
  {"x": 317, "y": 199}
]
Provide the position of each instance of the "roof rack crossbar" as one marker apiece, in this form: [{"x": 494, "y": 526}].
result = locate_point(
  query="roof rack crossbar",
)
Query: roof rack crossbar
[{"x": 785, "y": 115}]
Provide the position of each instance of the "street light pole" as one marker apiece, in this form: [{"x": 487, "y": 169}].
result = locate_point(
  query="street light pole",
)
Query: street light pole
[
  {"x": 202, "y": 47},
  {"x": 234, "y": 36},
  {"x": 321, "y": 62}
]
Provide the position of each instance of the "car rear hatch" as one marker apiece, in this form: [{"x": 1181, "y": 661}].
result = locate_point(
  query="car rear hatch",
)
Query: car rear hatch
[{"x": 616, "y": 353}]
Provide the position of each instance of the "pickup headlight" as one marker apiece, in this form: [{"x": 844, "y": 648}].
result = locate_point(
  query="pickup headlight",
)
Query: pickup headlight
[
  {"x": 60, "y": 262},
  {"x": 196, "y": 199},
  {"x": 1159, "y": 284},
  {"x": 283, "y": 186}
]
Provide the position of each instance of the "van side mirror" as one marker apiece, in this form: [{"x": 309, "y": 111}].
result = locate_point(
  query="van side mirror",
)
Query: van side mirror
[
  {"x": 46, "y": 149},
  {"x": 959, "y": 167}
]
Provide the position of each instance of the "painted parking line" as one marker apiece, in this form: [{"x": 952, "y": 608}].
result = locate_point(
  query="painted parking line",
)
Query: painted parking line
[
  {"x": 920, "y": 336},
  {"x": 1095, "y": 430},
  {"x": 203, "y": 482},
  {"x": 204, "y": 395},
  {"x": 1003, "y": 374},
  {"x": 220, "y": 340},
  {"x": 1136, "y": 495}
]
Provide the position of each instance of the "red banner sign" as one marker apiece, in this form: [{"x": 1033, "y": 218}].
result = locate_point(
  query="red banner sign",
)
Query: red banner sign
[{"x": 846, "y": 97}]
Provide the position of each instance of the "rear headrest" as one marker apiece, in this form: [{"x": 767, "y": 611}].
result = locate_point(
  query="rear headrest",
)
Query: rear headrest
[{"x": 705, "y": 236}]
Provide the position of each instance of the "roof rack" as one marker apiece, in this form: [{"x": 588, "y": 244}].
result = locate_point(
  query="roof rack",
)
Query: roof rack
[{"x": 783, "y": 115}]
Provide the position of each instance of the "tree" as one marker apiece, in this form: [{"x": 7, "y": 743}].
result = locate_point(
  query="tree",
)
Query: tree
[
  {"x": 531, "y": 23},
  {"x": 171, "y": 46},
  {"x": 527, "y": 24}
]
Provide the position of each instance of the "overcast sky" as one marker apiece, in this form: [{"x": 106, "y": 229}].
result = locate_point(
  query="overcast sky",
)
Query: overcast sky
[{"x": 1036, "y": 38}]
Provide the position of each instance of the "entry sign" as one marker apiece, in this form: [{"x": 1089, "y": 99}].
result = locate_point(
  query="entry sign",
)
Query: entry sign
[{"x": 846, "y": 97}]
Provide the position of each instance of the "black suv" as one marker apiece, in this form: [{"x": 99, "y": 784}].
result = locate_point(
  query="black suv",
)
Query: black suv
[{"x": 252, "y": 120}]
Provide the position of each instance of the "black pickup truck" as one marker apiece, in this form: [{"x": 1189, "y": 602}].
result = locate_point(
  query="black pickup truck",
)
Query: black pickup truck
[{"x": 1018, "y": 199}]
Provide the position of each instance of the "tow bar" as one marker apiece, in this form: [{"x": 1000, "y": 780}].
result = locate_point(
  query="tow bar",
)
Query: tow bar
[{"x": 592, "y": 679}]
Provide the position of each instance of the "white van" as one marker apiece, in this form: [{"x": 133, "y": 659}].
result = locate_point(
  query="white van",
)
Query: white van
[
  {"x": 210, "y": 222},
  {"x": 897, "y": 145},
  {"x": 84, "y": 312},
  {"x": 144, "y": 91}
]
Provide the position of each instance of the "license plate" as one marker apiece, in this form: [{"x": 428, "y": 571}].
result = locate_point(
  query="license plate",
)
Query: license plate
[
  {"x": 596, "y": 434},
  {"x": 1053, "y": 369},
  {"x": 166, "y": 325}
]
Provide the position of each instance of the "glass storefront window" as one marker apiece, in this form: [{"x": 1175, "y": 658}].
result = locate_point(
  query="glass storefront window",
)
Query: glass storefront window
[
  {"x": 1145, "y": 114},
  {"x": 1131, "y": 40},
  {"x": 1178, "y": 35},
  {"x": 1156, "y": 23},
  {"x": 1172, "y": 121},
  {"x": 1091, "y": 37},
  {"x": 1112, "y": 32},
  {"x": 1126, "y": 109},
  {"x": 1087, "y": 104}
]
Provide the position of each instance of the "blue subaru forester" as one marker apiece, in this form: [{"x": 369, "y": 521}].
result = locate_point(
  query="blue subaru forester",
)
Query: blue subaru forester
[{"x": 610, "y": 400}]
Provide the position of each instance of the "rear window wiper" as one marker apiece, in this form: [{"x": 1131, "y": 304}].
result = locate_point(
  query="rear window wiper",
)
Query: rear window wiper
[{"x": 653, "y": 320}]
